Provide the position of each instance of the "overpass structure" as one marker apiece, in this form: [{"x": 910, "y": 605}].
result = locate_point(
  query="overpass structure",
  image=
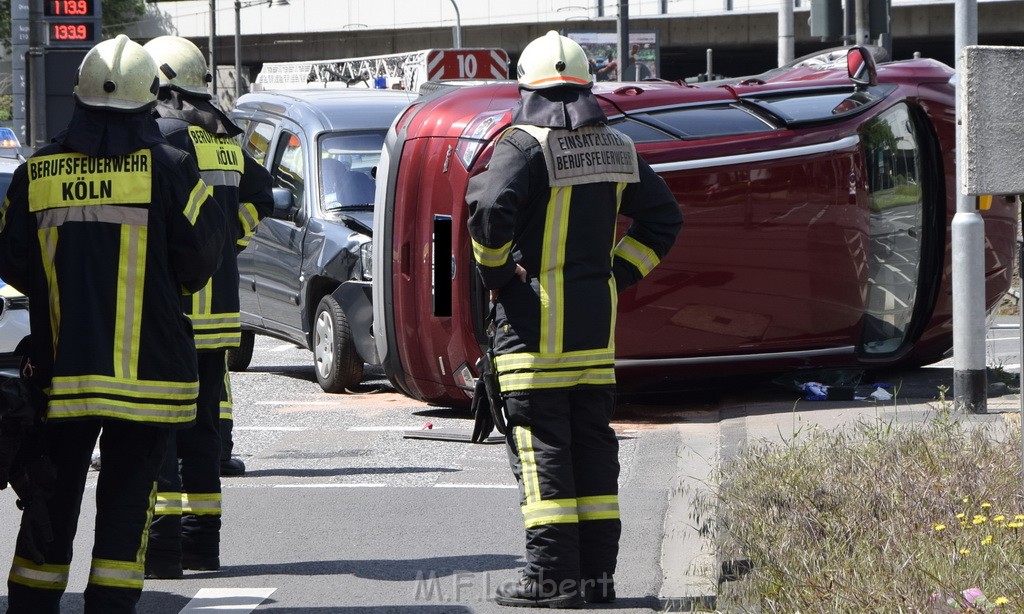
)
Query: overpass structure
[{"x": 742, "y": 41}]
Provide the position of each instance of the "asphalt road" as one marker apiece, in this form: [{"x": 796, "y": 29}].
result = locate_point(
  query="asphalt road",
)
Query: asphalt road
[{"x": 340, "y": 512}]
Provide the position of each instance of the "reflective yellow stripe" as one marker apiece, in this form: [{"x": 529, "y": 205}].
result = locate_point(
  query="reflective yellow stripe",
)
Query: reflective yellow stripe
[
  {"x": 528, "y": 461},
  {"x": 553, "y": 511},
  {"x": 556, "y": 379},
  {"x": 212, "y": 320},
  {"x": 620, "y": 187},
  {"x": 27, "y": 573},
  {"x": 202, "y": 301},
  {"x": 601, "y": 507},
  {"x": 551, "y": 276},
  {"x": 578, "y": 358},
  {"x": 140, "y": 554},
  {"x": 74, "y": 179},
  {"x": 124, "y": 410},
  {"x": 249, "y": 217},
  {"x": 492, "y": 257},
  {"x": 167, "y": 504},
  {"x": 117, "y": 574},
  {"x": 215, "y": 152},
  {"x": 3, "y": 213},
  {"x": 201, "y": 504},
  {"x": 221, "y": 178},
  {"x": 106, "y": 214},
  {"x": 637, "y": 254},
  {"x": 104, "y": 384},
  {"x": 226, "y": 403},
  {"x": 131, "y": 280},
  {"x": 200, "y": 193},
  {"x": 210, "y": 341},
  {"x": 48, "y": 246}
]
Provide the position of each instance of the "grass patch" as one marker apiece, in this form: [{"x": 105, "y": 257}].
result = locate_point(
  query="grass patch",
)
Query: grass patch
[{"x": 883, "y": 517}]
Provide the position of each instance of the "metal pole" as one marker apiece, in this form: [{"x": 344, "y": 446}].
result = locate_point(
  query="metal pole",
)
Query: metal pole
[
  {"x": 238, "y": 49},
  {"x": 710, "y": 70},
  {"x": 786, "y": 39},
  {"x": 213, "y": 43},
  {"x": 968, "y": 234},
  {"x": 458, "y": 26},
  {"x": 37, "y": 77},
  {"x": 622, "y": 27},
  {"x": 863, "y": 30}
]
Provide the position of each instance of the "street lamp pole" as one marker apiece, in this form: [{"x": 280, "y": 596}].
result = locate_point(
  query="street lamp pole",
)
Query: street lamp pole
[
  {"x": 238, "y": 37},
  {"x": 458, "y": 26},
  {"x": 213, "y": 42}
]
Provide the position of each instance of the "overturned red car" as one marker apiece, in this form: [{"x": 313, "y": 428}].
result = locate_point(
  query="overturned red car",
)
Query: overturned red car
[{"x": 817, "y": 201}]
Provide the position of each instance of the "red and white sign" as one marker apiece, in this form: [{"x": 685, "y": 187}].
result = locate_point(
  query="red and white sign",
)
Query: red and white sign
[{"x": 467, "y": 64}]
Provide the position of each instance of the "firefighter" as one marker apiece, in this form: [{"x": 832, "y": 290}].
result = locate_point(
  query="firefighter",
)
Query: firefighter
[
  {"x": 186, "y": 527},
  {"x": 103, "y": 229},
  {"x": 543, "y": 226}
]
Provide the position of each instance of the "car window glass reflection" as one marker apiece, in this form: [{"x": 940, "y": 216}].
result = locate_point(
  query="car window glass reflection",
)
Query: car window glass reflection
[
  {"x": 288, "y": 170},
  {"x": 347, "y": 163}
]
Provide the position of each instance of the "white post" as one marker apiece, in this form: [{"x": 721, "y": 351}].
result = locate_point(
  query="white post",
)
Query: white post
[{"x": 786, "y": 38}]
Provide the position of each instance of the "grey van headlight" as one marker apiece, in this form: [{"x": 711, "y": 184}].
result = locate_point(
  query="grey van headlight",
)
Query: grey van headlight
[{"x": 366, "y": 260}]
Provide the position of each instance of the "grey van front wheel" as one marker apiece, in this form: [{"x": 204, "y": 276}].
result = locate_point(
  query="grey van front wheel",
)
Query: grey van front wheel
[{"x": 335, "y": 360}]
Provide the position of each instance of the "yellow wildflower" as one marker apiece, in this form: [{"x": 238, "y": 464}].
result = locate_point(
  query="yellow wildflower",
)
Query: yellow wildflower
[
  {"x": 939, "y": 527},
  {"x": 961, "y": 516},
  {"x": 987, "y": 540},
  {"x": 966, "y": 499},
  {"x": 1015, "y": 525},
  {"x": 986, "y": 505},
  {"x": 979, "y": 519},
  {"x": 1019, "y": 517},
  {"x": 1001, "y": 601},
  {"x": 965, "y": 551},
  {"x": 999, "y": 518}
]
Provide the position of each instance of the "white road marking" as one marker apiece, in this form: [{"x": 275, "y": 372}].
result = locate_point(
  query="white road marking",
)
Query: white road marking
[
  {"x": 475, "y": 486},
  {"x": 389, "y": 428},
  {"x": 269, "y": 428},
  {"x": 283, "y": 348},
  {"x": 296, "y": 403},
  {"x": 235, "y": 600},
  {"x": 356, "y": 485}
]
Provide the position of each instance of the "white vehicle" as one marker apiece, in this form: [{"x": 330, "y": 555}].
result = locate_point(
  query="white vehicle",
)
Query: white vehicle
[
  {"x": 406, "y": 71},
  {"x": 13, "y": 304}
]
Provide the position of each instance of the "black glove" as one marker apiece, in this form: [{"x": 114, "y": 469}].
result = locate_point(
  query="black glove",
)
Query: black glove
[
  {"x": 483, "y": 421},
  {"x": 18, "y": 412}
]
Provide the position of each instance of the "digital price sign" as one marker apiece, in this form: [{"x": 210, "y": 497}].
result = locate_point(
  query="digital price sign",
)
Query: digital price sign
[
  {"x": 80, "y": 32},
  {"x": 69, "y": 8},
  {"x": 72, "y": 23}
]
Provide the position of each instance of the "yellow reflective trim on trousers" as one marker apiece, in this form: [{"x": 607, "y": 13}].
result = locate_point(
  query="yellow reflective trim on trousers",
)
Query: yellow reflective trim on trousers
[
  {"x": 117, "y": 574},
  {"x": 124, "y": 410},
  {"x": 510, "y": 382},
  {"x": 601, "y": 507},
  {"x": 215, "y": 152},
  {"x": 201, "y": 504},
  {"x": 492, "y": 257},
  {"x": 551, "y": 511},
  {"x": 248, "y": 217},
  {"x": 200, "y": 193},
  {"x": 552, "y": 263},
  {"x": 131, "y": 280},
  {"x": 45, "y": 576},
  {"x": 214, "y": 320},
  {"x": 140, "y": 554},
  {"x": 528, "y": 463},
  {"x": 48, "y": 247},
  {"x": 147, "y": 389},
  {"x": 637, "y": 254},
  {"x": 577, "y": 358},
  {"x": 168, "y": 504},
  {"x": 74, "y": 180}
]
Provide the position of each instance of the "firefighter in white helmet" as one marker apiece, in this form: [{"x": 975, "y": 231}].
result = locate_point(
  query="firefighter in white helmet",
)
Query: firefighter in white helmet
[
  {"x": 185, "y": 533},
  {"x": 542, "y": 222},
  {"x": 103, "y": 229}
]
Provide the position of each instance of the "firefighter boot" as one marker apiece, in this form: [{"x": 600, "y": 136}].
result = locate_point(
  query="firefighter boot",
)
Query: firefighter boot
[
  {"x": 201, "y": 542},
  {"x": 540, "y": 593},
  {"x": 163, "y": 554}
]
